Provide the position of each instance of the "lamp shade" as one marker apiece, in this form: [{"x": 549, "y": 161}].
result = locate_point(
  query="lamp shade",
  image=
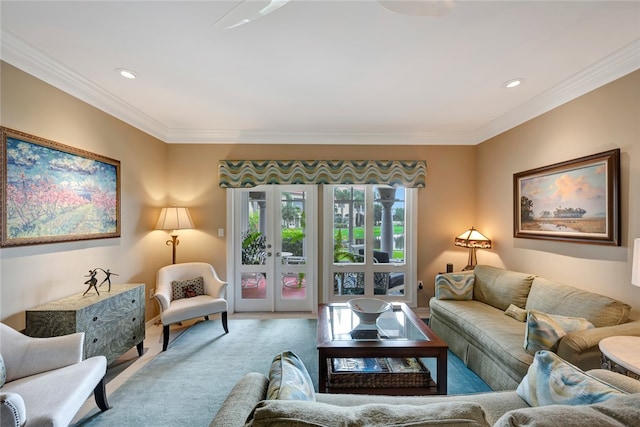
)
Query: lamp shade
[
  {"x": 472, "y": 238},
  {"x": 635, "y": 272},
  {"x": 174, "y": 218}
]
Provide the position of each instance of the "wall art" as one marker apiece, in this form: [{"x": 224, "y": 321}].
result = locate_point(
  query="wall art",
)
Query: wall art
[
  {"x": 574, "y": 201},
  {"x": 56, "y": 193}
]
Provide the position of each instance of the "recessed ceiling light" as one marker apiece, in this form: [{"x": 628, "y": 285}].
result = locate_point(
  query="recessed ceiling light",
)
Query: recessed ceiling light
[
  {"x": 126, "y": 73},
  {"x": 513, "y": 83}
]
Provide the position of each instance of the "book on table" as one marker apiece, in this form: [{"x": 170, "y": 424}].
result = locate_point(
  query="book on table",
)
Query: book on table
[{"x": 378, "y": 365}]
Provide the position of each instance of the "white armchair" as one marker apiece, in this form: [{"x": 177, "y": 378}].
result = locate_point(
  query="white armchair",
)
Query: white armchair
[
  {"x": 176, "y": 308},
  {"x": 47, "y": 381}
]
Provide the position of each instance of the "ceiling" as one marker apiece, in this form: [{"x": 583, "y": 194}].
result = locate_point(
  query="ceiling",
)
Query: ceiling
[{"x": 326, "y": 72}]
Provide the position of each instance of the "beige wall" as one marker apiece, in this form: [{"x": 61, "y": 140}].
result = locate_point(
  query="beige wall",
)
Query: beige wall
[
  {"x": 446, "y": 205},
  {"x": 32, "y": 275},
  {"x": 606, "y": 118},
  {"x": 466, "y": 185}
]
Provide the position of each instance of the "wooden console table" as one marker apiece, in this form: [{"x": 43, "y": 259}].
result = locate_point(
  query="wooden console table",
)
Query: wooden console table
[{"x": 113, "y": 322}]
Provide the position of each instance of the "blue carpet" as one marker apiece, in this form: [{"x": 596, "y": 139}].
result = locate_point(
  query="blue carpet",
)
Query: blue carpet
[{"x": 187, "y": 384}]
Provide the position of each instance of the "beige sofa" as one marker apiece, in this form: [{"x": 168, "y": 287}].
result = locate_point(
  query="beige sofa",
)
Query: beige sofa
[
  {"x": 468, "y": 313},
  {"x": 501, "y": 409}
]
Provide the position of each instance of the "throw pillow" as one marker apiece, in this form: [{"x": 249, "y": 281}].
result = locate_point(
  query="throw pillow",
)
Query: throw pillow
[
  {"x": 617, "y": 411},
  {"x": 289, "y": 378},
  {"x": 3, "y": 372},
  {"x": 187, "y": 288},
  {"x": 543, "y": 331},
  {"x": 552, "y": 381},
  {"x": 455, "y": 286},
  {"x": 283, "y": 413},
  {"x": 516, "y": 312}
]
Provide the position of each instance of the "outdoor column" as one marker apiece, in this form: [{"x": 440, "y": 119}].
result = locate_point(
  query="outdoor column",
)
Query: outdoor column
[{"x": 387, "y": 199}]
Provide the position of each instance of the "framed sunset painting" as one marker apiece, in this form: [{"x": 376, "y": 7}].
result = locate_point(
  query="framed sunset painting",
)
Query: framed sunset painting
[
  {"x": 575, "y": 201},
  {"x": 55, "y": 193}
]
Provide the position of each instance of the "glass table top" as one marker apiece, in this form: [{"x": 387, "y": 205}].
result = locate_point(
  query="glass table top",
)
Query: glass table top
[{"x": 345, "y": 325}]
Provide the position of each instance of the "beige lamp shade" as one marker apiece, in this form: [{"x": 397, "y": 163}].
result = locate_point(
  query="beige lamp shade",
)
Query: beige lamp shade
[
  {"x": 635, "y": 270},
  {"x": 174, "y": 218}
]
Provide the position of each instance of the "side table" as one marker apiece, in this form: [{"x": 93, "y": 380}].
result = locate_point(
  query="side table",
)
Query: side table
[{"x": 621, "y": 354}]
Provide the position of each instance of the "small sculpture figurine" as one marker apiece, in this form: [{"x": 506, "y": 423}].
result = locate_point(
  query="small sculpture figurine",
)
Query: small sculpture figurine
[
  {"x": 107, "y": 279},
  {"x": 92, "y": 281}
]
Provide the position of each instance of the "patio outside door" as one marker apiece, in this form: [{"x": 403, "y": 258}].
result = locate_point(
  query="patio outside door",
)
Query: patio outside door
[{"x": 273, "y": 249}]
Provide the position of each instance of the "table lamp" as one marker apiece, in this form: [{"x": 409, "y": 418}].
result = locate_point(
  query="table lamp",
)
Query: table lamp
[
  {"x": 174, "y": 218},
  {"x": 472, "y": 239}
]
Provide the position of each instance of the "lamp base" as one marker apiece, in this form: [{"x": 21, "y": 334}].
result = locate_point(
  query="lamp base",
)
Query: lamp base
[{"x": 469, "y": 267}]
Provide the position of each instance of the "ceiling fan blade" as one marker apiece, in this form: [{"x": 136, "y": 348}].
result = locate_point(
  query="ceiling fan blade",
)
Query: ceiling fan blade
[
  {"x": 248, "y": 11},
  {"x": 419, "y": 7}
]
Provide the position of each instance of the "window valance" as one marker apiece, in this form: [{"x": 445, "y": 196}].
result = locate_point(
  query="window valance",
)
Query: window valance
[{"x": 250, "y": 173}]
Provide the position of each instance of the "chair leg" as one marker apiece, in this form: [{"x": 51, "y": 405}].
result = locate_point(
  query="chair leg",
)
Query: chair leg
[
  {"x": 206, "y": 317},
  {"x": 100, "y": 395},
  {"x": 165, "y": 337},
  {"x": 224, "y": 322}
]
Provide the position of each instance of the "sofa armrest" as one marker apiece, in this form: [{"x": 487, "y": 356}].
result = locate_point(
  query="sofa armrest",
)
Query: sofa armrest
[
  {"x": 580, "y": 341},
  {"x": 12, "y": 410},
  {"x": 243, "y": 398}
]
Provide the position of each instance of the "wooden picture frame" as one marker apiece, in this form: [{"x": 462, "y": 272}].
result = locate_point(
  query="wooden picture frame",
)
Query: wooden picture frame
[
  {"x": 574, "y": 201},
  {"x": 55, "y": 193}
]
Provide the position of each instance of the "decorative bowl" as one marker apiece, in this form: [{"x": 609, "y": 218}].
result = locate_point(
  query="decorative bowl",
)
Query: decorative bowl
[{"x": 368, "y": 309}]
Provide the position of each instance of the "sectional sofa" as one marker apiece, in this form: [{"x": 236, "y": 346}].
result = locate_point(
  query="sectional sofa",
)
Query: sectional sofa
[
  {"x": 597, "y": 397},
  {"x": 485, "y": 315}
]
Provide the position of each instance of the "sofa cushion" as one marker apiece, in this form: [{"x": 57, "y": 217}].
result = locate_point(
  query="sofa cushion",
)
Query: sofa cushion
[
  {"x": 617, "y": 411},
  {"x": 520, "y": 314},
  {"x": 500, "y": 288},
  {"x": 187, "y": 288},
  {"x": 551, "y": 380},
  {"x": 556, "y": 298},
  {"x": 282, "y": 413},
  {"x": 454, "y": 286},
  {"x": 289, "y": 378},
  {"x": 486, "y": 328},
  {"x": 543, "y": 331}
]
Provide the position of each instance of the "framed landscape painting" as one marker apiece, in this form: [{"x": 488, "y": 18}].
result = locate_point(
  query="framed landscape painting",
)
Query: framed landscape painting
[
  {"x": 55, "y": 193},
  {"x": 574, "y": 201}
]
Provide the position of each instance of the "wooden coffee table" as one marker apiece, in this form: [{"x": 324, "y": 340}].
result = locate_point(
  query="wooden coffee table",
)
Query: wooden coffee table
[{"x": 398, "y": 333}]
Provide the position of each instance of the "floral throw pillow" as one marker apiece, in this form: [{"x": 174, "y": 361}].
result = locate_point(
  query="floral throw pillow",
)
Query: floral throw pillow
[
  {"x": 187, "y": 288},
  {"x": 3, "y": 372}
]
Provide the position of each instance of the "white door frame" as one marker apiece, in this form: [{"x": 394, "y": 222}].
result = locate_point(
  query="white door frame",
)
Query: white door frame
[{"x": 234, "y": 221}]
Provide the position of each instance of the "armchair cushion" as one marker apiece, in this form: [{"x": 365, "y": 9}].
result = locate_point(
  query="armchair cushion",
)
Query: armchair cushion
[
  {"x": 187, "y": 288},
  {"x": 553, "y": 381}
]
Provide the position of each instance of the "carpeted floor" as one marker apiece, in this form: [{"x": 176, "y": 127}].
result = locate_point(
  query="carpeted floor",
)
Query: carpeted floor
[{"x": 186, "y": 385}]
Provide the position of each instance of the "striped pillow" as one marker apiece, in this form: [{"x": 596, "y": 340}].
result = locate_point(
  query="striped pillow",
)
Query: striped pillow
[
  {"x": 544, "y": 331},
  {"x": 551, "y": 380},
  {"x": 455, "y": 286}
]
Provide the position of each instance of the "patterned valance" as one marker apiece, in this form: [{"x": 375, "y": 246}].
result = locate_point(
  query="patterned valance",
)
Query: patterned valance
[{"x": 250, "y": 173}]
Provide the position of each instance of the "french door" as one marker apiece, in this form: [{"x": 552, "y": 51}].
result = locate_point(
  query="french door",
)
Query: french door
[{"x": 274, "y": 228}]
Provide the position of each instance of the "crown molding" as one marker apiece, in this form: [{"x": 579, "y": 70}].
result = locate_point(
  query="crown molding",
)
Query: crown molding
[
  {"x": 26, "y": 57},
  {"x": 612, "y": 67}
]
